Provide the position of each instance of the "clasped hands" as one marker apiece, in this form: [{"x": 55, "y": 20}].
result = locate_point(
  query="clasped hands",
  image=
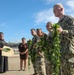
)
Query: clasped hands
[
  {"x": 22, "y": 53},
  {"x": 60, "y": 30}
]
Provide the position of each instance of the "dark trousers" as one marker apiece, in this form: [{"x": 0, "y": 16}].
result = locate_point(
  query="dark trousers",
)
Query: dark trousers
[{"x": 3, "y": 64}]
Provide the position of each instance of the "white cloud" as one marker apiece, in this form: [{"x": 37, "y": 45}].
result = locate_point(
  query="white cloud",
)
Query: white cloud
[
  {"x": 45, "y": 16},
  {"x": 54, "y": 1},
  {"x": 70, "y": 3},
  {"x": 49, "y": 1},
  {"x": 70, "y": 9}
]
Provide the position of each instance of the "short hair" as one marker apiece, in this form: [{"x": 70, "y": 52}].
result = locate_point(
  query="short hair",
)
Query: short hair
[
  {"x": 23, "y": 38},
  {"x": 38, "y": 29},
  {"x": 32, "y": 29},
  {"x": 49, "y": 23},
  {"x": 59, "y": 5},
  {"x": 1, "y": 33}
]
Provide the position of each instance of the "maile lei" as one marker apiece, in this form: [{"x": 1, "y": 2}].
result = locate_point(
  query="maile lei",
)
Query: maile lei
[
  {"x": 51, "y": 48},
  {"x": 55, "y": 56},
  {"x": 32, "y": 53},
  {"x": 29, "y": 42}
]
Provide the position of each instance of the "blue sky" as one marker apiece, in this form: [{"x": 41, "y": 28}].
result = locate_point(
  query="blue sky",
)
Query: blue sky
[{"x": 17, "y": 17}]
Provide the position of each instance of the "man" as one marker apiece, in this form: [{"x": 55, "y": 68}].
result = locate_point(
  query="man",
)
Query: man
[
  {"x": 49, "y": 40},
  {"x": 49, "y": 28},
  {"x": 40, "y": 55},
  {"x": 67, "y": 39},
  {"x": 3, "y": 59},
  {"x": 34, "y": 41}
]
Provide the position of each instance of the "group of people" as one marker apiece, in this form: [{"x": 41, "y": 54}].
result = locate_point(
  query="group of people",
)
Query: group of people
[
  {"x": 23, "y": 53},
  {"x": 43, "y": 66}
]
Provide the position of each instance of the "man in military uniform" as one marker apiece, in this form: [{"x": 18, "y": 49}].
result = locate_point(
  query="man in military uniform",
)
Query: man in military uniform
[
  {"x": 67, "y": 39},
  {"x": 34, "y": 40},
  {"x": 49, "y": 40},
  {"x": 40, "y": 55}
]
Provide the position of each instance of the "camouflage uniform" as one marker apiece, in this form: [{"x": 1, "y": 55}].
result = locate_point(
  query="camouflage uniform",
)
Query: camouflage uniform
[
  {"x": 67, "y": 45},
  {"x": 48, "y": 67},
  {"x": 34, "y": 40},
  {"x": 47, "y": 61},
  {"x": 40, "y": 62}
]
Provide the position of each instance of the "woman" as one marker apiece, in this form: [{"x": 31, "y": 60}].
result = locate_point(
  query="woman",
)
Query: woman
[{"x": 23, "y": 53}]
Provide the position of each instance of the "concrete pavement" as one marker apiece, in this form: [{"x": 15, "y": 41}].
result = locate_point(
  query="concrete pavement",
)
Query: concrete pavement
[{"x": 14, "y": 64}]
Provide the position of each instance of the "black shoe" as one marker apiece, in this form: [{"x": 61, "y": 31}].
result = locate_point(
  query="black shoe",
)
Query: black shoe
[
  {"x": 19, "y": 70},
  {"x": 35, "y": 74},
  {"x": 23, "y": 70}
]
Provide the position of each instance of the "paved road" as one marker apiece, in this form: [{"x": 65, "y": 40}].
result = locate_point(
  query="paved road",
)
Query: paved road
[{"x": 14, "y": 67}]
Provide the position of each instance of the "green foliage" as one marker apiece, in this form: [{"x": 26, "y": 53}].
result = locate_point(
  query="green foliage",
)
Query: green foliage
[
  {"x": 51, "y": 48},
  {"x": 29, "y": 43},
  {"x": 44, "y": 44},
  {"x": 6, "y": 49},
  {"x": 55, "y": 56},
  {"x": 32, "y": 53}
]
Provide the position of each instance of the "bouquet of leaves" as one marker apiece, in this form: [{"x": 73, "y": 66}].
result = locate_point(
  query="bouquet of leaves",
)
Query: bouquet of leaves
[{"x": 6, "y": 49}]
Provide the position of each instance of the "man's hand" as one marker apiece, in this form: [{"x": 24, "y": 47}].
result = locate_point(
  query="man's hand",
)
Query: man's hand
[
  {"x": 34, "y": 46},
  {"x": 65, "y": 32},
  {"x": 59, "y": 29},
  {"x": 40, "y": 54}
]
